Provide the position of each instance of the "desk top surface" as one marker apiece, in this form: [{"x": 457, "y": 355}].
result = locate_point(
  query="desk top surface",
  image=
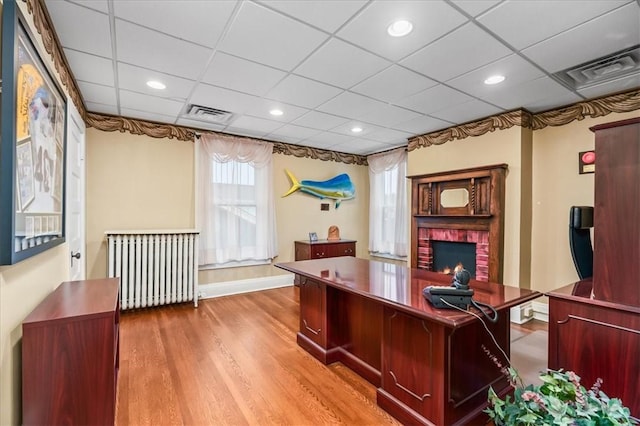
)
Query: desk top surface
[{"x": 401, "y": 287}]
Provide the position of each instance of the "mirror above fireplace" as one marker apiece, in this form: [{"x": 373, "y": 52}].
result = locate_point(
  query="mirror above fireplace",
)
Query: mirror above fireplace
[{"x": 458, "y": 197}]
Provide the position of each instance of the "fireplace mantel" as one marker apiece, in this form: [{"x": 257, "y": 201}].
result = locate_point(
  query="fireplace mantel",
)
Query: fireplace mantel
[{"x": 469, "y": 203}]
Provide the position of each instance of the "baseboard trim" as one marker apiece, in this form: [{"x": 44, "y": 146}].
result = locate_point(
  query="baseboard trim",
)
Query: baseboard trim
[
  {"x": 521, "y": 313},
  {"x": 540, "y": 311},
  {"x": 228, "y": 288}
]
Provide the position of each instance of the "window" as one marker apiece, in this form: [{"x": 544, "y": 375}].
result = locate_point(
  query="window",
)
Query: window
[
  {"x": 388, "y": 230},
  {"x": 236, "y": 213}
]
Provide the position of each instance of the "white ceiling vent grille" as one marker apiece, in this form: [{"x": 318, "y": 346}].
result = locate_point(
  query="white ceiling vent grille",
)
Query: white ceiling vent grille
[
  {"x": 612, "y": 67},
  {"x": 208, "y": 114}
]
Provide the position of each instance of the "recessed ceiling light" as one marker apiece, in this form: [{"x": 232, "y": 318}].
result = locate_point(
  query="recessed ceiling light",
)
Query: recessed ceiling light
[
  {"x": 356, "y": 129},
  {"x": 154, "y": 84},
  {"x": 276, "y": 112},
  {"x": 400, "y": 28},
  {"x": 494, "y": 79}
]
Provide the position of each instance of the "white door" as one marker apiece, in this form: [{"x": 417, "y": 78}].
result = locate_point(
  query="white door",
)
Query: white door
[{"x": 75, "y": 232}]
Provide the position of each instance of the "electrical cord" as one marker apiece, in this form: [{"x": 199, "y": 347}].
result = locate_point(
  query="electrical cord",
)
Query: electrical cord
[
  {"x": 478, "y": 305},
  {"x": 495, "y": 342}
]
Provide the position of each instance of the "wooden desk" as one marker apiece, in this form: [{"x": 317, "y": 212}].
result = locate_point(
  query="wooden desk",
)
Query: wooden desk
[
  {"x": 596, "y": 339},
  {"x": 428, "y": 363}
]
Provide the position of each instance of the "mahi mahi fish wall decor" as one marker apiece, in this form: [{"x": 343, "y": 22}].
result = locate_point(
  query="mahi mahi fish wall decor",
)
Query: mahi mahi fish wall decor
[{"x": 338, "y": 188}]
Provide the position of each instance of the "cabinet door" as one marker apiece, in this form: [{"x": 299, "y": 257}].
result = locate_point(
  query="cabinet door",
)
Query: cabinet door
[{"x": 313, "y": 310}]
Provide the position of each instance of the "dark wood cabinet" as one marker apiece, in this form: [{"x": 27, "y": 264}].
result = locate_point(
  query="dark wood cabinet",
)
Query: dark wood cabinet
[
  {"x": 594, "y": 324},
  {"x": 70, "y": 355},
  {"x": 320, "y": 249},
  {"x": 313, "y": 310}
]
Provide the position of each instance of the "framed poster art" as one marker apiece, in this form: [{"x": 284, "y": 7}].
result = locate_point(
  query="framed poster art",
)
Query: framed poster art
[{"x": 32, "y": 150}]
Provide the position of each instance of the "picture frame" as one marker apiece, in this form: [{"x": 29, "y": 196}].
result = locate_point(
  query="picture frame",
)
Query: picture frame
[
  {"x": 313, "y": 237},
  {"x": 33, "y": 111}
]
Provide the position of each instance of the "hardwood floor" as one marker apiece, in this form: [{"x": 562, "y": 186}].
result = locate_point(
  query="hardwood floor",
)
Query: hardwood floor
[{"x": 234, "y": 360}]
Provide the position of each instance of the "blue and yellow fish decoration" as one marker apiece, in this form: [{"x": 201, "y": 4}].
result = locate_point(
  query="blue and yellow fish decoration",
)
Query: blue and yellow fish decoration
[{"x": 338, "y": 188}]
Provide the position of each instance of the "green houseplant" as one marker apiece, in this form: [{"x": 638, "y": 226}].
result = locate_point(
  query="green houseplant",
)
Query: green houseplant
[{"x": 559, "y": 400}]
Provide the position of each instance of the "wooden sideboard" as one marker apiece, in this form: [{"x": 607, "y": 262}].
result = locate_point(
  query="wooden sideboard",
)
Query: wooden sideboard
[
  {"x": 70, "y": 355},
  {"x": 428, "y": 364},
  {"x": 320, "y": 249}
]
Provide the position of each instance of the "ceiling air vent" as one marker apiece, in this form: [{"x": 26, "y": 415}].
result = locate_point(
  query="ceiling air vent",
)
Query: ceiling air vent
[
  {"x": 609, "y": 68},
  {"x": 211, "y": 115}
]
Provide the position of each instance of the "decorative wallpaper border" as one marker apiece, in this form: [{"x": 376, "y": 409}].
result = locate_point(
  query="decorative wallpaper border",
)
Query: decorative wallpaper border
[{"x": 619, "y": 103}]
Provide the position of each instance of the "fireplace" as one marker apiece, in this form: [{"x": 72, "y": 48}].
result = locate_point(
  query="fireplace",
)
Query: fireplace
[
  {"x": 448, "y": 254},
  {"x": 464, "y": 208},
  {"x": 478, "y": 240}
]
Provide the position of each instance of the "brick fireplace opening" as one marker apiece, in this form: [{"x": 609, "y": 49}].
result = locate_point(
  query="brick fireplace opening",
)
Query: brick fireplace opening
[{"x": 427, "y": 236}]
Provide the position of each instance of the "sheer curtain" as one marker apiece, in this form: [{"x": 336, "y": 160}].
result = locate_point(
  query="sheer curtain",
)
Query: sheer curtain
[
  {"x": 388, "y": 231},
  {"x": 236, "y": 208}
]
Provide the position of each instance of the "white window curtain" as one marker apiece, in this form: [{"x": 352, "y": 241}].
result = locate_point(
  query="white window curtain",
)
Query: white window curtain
[
  {"x": 388, "y": 231},
  {"x": 236, "y": 208}
]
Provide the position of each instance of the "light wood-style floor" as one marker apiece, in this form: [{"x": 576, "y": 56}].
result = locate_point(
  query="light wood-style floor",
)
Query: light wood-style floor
[{"x": 234, "y": 360}]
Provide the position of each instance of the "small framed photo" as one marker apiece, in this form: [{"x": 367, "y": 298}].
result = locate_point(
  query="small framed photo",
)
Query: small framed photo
[{"x": 313, "y": 236}]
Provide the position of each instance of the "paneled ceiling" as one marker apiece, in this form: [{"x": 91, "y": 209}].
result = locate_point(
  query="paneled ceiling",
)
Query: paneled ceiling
[{"x": 330, "y": 66}]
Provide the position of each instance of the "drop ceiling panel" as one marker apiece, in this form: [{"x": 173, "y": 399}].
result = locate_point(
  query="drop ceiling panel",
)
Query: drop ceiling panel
[
  {"x": 349, "y": 104},
  {"x": 135, "y": 78},
  {"x": 524, "y": 23},
  {"x": 360, "y": 146},
  {"x": 223, "y": 99},
  {"x": 301, "y": 91},
  {"x": 197, "y": 124},
  {"x": 434, "y": 99},
  {"x": 515, "y": 69},
  {"x": 90, "y": 31},
  {"x": 387, "y": 115},
  {"x": 146, "y": 115},
  {"x": 341, "y": 64},
  {"x": 262, "y": 107},
  {"x": 609, "y": 33},
  {"x": 98, "y": 93},
  {"x": 461, "y": 51},
  {"x": 389, "y": 136},
  {"x": 326, "y": 15},
  {"x": 152, "y": 104},
  {"x": 345, "y": 129},
  {"x": 422, "y": 125},
  {"x": 393, "y": 83},
  {"x": 99, "y": 5},
  {"x": 475, "y": 7},
  {"x": 468, "y": 111},
  {"x": 533, "y": 95},
  {"x": 239, "y": 74},
  {"x": 150, "y": 49},
  {"x": 294, "y": 133},
  {"x": 264, "y": 36},
  {"x": 90, "y": 68},
  {"x": 102, "y": 108},
  {"x": 328, "y": 139},
  {"x": 201, "y": 22},
  {"x": 430, "y": 20},
  {"x": 320, "y": 120},
  {"x": 258, "y": 126}
]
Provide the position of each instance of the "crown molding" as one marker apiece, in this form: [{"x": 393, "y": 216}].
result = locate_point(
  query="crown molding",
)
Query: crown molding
[
  {"x": 504, "y": 121},
  {"x": 618, "y": 103},
  {"x": 44, "y": 27},
  {"x": 318, "y": 154},
  {"x": 112, "y": 123}
]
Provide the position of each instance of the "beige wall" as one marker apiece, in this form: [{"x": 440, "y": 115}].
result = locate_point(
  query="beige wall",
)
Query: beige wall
[
  {"x": 22, "y": 287},
  {"x": 556, "y": 187},
  {"x": 137, "y": 182}
]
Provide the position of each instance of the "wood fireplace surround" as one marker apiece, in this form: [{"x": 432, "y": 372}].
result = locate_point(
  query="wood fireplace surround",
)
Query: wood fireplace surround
[{"x": 460, "y": 206}]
